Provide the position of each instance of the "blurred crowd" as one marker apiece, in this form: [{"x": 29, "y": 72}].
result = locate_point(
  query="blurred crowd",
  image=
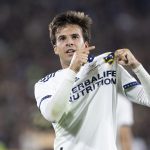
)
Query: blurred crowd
[{"x": 26, "y": 55}]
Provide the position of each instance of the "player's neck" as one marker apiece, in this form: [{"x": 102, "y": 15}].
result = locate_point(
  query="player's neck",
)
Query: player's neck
[{"x": 64, "y": 65}]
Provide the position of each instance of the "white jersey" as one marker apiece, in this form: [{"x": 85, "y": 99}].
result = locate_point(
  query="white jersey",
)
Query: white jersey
[{"x": 85, "y": 103}]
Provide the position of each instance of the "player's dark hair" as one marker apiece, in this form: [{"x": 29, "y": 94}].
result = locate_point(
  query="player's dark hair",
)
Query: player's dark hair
[{"x": 71, "y": 17}]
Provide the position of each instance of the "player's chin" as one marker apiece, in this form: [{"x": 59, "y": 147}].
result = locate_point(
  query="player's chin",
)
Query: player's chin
[{"x": 70, "y": 55}]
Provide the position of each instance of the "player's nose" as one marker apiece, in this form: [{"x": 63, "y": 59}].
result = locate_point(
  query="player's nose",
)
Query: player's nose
[{"x": 69, "y": 42}]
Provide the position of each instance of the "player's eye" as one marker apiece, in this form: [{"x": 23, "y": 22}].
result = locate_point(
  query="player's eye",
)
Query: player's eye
[
  {"x": 61, "y": 38},
  {"x": 75, "y": 36}
]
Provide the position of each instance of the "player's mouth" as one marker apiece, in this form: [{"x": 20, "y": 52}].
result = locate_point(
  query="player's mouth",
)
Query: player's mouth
[{"x": 70, "y": 51}]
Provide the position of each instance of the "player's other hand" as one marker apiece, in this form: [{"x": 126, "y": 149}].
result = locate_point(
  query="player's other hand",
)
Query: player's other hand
[
  {"x": 80, "y": 58},
  {"x": 124, "y": 57}
]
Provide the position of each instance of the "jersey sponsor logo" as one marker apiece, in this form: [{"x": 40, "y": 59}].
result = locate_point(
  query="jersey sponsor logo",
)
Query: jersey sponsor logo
[
  {"x": 46, "y": 78},
  {"x": 91, "y": 84}
]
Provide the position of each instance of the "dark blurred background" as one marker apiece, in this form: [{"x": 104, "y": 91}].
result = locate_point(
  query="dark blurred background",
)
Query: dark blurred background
[{"x": 26, "y": 55}]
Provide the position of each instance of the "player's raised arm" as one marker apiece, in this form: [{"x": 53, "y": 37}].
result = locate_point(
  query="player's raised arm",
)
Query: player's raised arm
[
  {"x": 124, "y": 57},
  {"x": 53, "y": 100}
]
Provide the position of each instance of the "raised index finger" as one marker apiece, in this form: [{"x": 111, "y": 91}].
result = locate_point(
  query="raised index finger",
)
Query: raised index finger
[
  {"x": 86, "y": 50},
  {"x": 90, "y": 48}
]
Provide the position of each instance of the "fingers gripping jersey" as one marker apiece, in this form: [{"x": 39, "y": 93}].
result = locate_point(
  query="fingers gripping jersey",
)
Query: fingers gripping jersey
[{"x": 82, "y": 106}]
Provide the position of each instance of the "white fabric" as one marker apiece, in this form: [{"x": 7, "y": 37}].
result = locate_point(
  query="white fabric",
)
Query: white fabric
[
  {"x": 124, "y": 115},
  {"x": 88, "y": 117},
  {"x": 62, "y": 86},
  {"x": 144, "y": 78},
  {"x": 124, "y": 111}
]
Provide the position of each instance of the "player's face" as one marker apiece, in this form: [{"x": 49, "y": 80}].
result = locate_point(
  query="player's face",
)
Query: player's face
[{"x": 68, "y": 39}]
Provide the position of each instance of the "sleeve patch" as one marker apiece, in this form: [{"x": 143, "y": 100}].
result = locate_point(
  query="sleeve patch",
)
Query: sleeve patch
[
  {"x": 129, "y": 85},
  {"x": 45, "y": 97}
]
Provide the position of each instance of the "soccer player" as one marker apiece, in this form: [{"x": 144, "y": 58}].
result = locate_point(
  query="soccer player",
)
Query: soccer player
[
  {"x": 124, "y": 123},
  {"x": 80, "y": 99}
]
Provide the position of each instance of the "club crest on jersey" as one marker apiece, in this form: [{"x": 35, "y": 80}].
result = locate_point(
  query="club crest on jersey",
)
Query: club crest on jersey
[{"x": 109, "y": 58}]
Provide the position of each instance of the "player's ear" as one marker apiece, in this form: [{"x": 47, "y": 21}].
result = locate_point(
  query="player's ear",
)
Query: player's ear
[
  {"x": 55, "y": 49},
  {"x": 86, "y": 44}
]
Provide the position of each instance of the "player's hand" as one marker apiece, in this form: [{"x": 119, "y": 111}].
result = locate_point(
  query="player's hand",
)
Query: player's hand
[
  {"x": 124, "y": 57},
  {"x": 80, "y": 58}
]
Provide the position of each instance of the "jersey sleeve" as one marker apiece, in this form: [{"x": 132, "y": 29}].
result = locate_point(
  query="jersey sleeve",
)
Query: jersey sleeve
[
  {"x": 135, "y": 91},
  {"x": 53, "y": 95}
]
